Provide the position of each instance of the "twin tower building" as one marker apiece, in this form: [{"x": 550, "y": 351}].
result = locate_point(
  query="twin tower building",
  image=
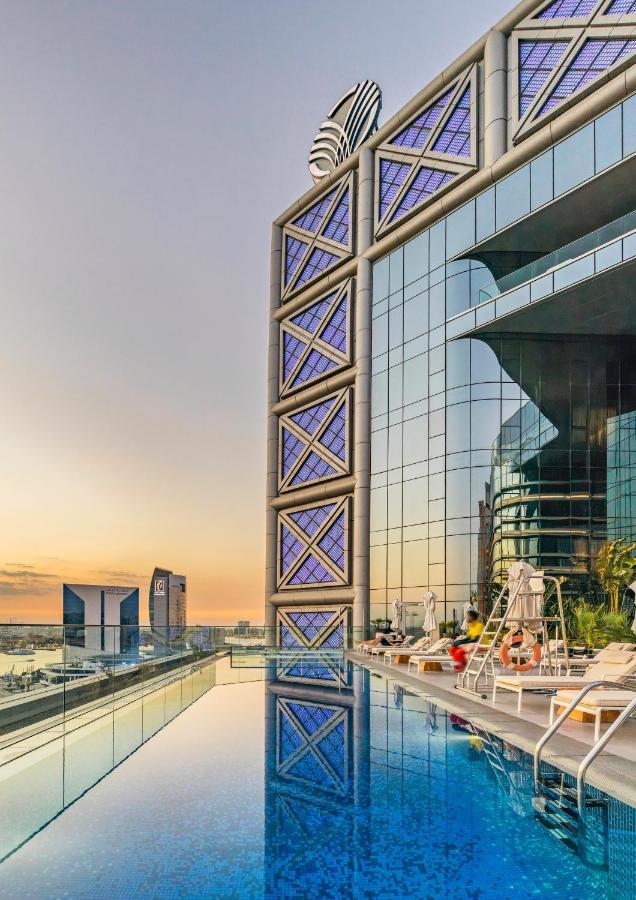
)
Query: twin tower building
[{"x": 90, "y": 607}]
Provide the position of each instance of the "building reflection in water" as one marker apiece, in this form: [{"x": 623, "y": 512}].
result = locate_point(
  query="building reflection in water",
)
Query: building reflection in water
[
  {"x": 317, "y": 773},
  {"x": 374, "y": 785}
]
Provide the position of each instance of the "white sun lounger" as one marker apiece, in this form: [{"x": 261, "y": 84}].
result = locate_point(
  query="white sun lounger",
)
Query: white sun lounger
[
  {"x": 616, "y": 665},
  {"x": 595, "y": 703},
  {"x": 418, "y": 647}
]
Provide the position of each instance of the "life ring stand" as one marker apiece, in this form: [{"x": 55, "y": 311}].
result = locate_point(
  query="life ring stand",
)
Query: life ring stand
[{"x": 511, "y": 640}]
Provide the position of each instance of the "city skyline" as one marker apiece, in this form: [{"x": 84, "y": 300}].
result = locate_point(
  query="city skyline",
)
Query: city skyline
[{"x": 134, "y": 437}]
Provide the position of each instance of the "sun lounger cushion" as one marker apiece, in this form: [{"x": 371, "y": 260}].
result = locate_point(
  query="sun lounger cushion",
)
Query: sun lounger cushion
[
  {"x": 598, "y": 698},
  {"x": 613, "y": 656},
  {"x": 546, "y": 681}
]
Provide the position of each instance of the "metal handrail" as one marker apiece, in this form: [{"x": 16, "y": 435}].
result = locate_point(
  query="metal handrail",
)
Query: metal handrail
[
  {"x": 596, "y": 749},
  {"x": 600, "y": 744}
]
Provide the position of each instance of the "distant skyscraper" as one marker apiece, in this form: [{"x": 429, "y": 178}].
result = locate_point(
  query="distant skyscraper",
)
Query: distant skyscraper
[
  {"x": 168, "y": 603},
  {"x": 92, "y": 606}
]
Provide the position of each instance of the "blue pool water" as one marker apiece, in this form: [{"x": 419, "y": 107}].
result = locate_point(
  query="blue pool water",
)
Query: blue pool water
[{"x": 279, "y": 790}]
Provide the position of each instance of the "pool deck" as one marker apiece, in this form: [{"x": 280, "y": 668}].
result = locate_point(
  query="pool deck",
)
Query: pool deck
[{"x": 614, "y": 770}]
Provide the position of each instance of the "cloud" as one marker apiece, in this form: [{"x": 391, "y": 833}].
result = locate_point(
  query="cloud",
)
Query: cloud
[
  {"x": 23, "y": 579},
  {"x": 20, "y": 573},
  {"x": 116, "y": 573}
]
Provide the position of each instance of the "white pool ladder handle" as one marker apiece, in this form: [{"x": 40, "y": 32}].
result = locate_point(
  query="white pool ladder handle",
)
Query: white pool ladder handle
[
  {"x": 596, "y": 749},
  {"x": 594, "y": 752}
]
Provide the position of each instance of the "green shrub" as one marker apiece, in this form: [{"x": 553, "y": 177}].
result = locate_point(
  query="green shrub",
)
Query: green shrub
[{"x": 596, "y": 626}]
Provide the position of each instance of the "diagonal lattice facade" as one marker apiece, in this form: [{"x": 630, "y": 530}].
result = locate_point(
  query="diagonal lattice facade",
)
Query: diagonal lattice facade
[
  {"x": 311, "y": 628},
  {"x": 563, "y": 51},
  {"x": 314, "y": 442},
  {"x": 316, "y": 342},
  {"x": 313, "y": 547},
  {"x": 595, "y": 57},
  {"x": 437, "y": 146},
  {"x": 537, "y": 61},
  {"x": 567, "y": 9},
  {"x": 312, "y": 744},
  {"x": 318, "y": 239}
]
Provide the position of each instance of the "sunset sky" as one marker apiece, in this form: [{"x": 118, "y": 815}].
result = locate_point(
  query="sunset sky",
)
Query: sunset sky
[{"x": 145, "y": 148}]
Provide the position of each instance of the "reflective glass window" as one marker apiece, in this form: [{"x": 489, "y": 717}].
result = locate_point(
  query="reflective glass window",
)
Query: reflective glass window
[
  {"x": 458, "y": 559},
  {"x": 460, "y": 230},
  {"x": 608, "y": 137},
  {"x": 395, "y": 387},
  {"x": 458, "y": 427},
  {"x": 396, "y": 327},
  {"x": 483, "y": 361},
  {"x": 513, "y": 197},
  {"x": 415, "y": 440},
  {"x": 378, "y": 508},
  {"x": 457, "y": 364},
  {"x": 485, "y": 214},
  {"x": 457, "y": 493},
  {"x": 437, "y": 358},
  {"x": 574, "y": 160},
  {"x": 416, "y": 379},
  {"x": 437, "y": 245},
  {"x": 380, "y": 336},
  {"x": 629, "y": 126},
  {"x": 379, "y": 448},
  {"x": 542, "y": 180},
  {"x": 415, "y": 317},
  {"x": 415, "y": 563},
  {"x": 415, "y": 501},
  {"x": 381, "y": 279},
  {"x": 437, "y": 305},
  {"x": 394, "y": 505},
  {"x": 484, "y": 423},
  {"x": 415, "y": 258},
  {"x": 380, "y": 394},
  {"x": 396, "y": 270},
  {"x": 457, "y": 294}
]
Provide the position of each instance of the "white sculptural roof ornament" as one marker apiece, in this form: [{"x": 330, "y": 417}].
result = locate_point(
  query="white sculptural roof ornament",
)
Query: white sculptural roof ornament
[{"x": 352, "y": 120}]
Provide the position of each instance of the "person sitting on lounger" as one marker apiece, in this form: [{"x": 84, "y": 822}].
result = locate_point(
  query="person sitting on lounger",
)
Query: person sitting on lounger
[
  {"x": 386, "y": 638},
  {"x": 459, "y": 646}
]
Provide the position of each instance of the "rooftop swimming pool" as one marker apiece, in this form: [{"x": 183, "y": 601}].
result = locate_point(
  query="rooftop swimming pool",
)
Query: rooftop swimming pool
[{"x": 279, "y": 788}]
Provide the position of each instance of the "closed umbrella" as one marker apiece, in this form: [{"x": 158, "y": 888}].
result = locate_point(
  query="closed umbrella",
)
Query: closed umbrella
[
  {"x": 430, "y": 619},
  {"x": 397, "y": 623}
]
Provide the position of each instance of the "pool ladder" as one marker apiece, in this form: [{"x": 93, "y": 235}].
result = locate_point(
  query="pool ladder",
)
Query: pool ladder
[
  {"x": 598, "y": 746},
  {"x": 563, "y": 809},
  {"x": 555, "y": 807}
]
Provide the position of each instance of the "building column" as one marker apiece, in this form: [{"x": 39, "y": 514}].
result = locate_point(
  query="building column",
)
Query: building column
[
  {"x": 362, "y": 405},
  {"x": 272, "y": 431},
  {"x": 495, "y": 97}
]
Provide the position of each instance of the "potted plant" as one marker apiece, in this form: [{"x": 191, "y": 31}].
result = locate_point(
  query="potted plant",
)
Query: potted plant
[
  {"x": 615, "y": 568},
  {"x": 588, "y": 628},
  {"x": 596, "y": 626}
]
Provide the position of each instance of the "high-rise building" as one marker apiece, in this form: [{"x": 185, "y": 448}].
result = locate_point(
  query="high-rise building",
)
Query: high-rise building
[
  {"x": 88, "y": 608},
  {"x": 452, "y": 367},
  {"x": 168, "y": 603}
]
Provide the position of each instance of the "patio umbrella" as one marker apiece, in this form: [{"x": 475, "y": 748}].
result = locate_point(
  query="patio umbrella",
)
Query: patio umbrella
[
  {"x": 397, "y": 623},
  {"x": 430, "y": 619}
]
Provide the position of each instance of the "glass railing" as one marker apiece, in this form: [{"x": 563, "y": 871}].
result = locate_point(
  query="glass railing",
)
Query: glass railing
[{"x": 607, "y": 234}]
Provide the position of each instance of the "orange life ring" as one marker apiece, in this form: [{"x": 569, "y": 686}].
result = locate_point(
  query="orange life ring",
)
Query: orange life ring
[{"x": 504, "y": 654}]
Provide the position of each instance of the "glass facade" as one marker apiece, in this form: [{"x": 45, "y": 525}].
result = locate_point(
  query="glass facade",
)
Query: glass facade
[{"x": 504, "y": 447}]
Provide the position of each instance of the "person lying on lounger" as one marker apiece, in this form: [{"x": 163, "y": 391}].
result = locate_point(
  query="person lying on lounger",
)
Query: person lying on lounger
[
  {"x": 386, "y": 638},
  {"x": 459, "y": 646}
]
